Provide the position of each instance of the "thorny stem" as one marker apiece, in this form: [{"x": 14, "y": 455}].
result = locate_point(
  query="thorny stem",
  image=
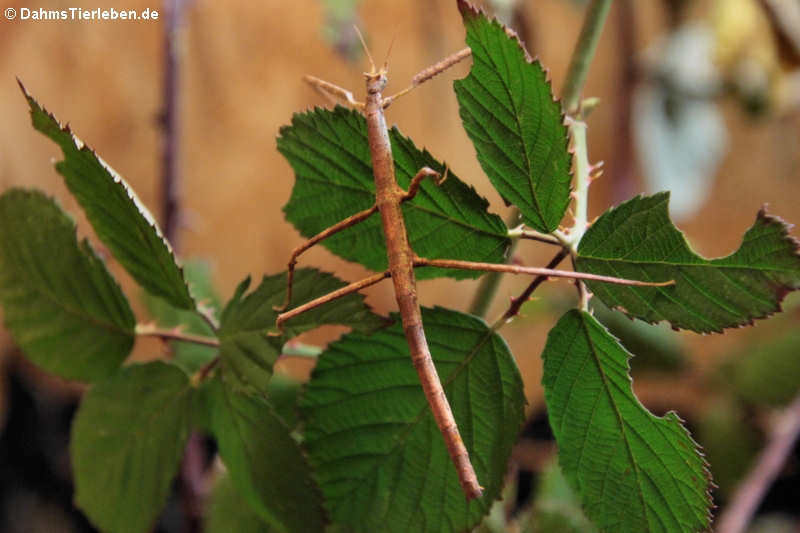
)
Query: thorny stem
[
  {"x": 582, "y": 179},
  {"x": 751, "y": 491},
  {"x": 582, "y": 57},
  {"x": 175, "y": 334},
  {"x": 533, "y": 235}
]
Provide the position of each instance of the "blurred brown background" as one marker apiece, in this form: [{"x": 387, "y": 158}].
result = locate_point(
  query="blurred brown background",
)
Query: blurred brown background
[{"x": 242, "y": 64}]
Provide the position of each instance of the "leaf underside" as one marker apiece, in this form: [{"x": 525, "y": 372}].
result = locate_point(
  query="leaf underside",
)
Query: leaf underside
[
  {"x": 117, "y": 215},
  {"x": 127, "y": 442},
  {"x": 635, "y": 472},
  {"x": 247, "y": 350},
  {"x": 375, "y": 448},
  {"x": 265, "y": 463},
  {"x": 637, "y": 240},
  {"x": 506, "y": 104},
  {"x": 60, "y": 303},
  {"x": 329, "y": 153}
]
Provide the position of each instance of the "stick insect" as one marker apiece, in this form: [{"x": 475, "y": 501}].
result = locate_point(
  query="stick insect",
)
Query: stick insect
[{"x": 401, "y": 257}]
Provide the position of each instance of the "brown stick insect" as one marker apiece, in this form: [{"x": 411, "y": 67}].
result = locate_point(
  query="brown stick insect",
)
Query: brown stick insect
[{"x": 401, "y": 257}]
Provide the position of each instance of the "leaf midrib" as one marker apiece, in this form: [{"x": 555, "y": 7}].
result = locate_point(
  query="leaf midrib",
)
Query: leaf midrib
[{"x": 617, "y": 413}]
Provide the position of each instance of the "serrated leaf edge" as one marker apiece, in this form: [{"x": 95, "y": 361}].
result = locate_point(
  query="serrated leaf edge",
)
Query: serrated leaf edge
[
  {"x": 762, "y": 214},
  {"x": 116, "y": 178},
  {"x": 470, "y": 11}
]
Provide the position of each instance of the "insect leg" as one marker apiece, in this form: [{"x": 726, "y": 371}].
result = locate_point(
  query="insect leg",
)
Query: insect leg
[
  {"x": 416, "y": 181},
  {"x": 322, "y": 235},
  {"x": 535, "y": 271},
  {"x": 333, "y": 93},
  {"x": 331, "y": 296}
]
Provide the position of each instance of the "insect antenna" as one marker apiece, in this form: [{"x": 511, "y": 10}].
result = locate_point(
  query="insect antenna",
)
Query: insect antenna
[
  {"x": 366, "y": 49},
  {"x": 389, "y": 52}
]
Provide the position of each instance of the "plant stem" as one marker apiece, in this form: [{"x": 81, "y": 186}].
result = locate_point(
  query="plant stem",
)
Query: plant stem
[
  {"x": 489, "y": 283},
  {"x": 516, "y": 303},
  {"x": 593, "y": 23},
  {"x": 299, "y": 349},
  {"x": 170, "y": 114},
  {"x": 150, "y": 330},
  {"x": 583, "y": 169},
  {"x": 576, "y": 76},
  {"x": 751, "y": 491}
]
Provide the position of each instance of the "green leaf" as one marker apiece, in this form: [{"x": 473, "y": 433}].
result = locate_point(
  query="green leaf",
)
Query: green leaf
[
  {"x": 119, "y": 218},
  {"x": 637, "y": 240},
  {"x": 264, "y": 461},
  {"x": 60, "y": 303},
  {"x": 189, "y": 356},
  {"x": 283, "y": 392},
  {"x": 127, "y": 443},
  {"x": 508, "y": 110},
  {"x": 767, "y": 372},
  {"x": 657, "y": 348},
  {"x": 730, "y": 442},
  {"x": 248, "y": 351},
  {"x": 330, "y": 156},
  {"x": 373, "y": 443},
  {"x": 634, "y": 472},
  {"x": 556, "y": 508},
  {"x": 228, "y": 512}
]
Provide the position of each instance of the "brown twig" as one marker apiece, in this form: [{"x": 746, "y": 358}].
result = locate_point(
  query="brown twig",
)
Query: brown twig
[
  {"x": 516, "y": 303},
  {"x": 752, "y": 489},
  {"x": 170, "y": 114}
]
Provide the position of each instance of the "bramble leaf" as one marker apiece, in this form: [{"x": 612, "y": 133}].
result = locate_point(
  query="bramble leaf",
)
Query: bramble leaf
[
  {"x": 767, "y": 372},
  {"x": 508, "y": 110},
  {"x": 127, "y": 443},
  {"x": 60, "y": 303},
  {"x": 330, "y": 156},
  {"x": 117, "y": 215},
  {"x": 247, "y": 350},
  {"x": 228, "y": 512},
  {"x": 376, "y": 451},
  {"x": 634, "y": 472},
  {"x": 637, "y": 240},
  {"x": 264, "y": 461},
  {"x": 188, "y": 355},
  {"x": 556, "y": 507}
]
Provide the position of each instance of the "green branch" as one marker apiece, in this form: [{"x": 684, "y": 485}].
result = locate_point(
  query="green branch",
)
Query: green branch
[{"x": 582, "y": 57}]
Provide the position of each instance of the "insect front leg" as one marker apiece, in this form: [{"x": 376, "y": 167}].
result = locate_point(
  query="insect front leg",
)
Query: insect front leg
[
  {"x": 428, "y": 73},
  {"x": 333, "y": 93}
]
